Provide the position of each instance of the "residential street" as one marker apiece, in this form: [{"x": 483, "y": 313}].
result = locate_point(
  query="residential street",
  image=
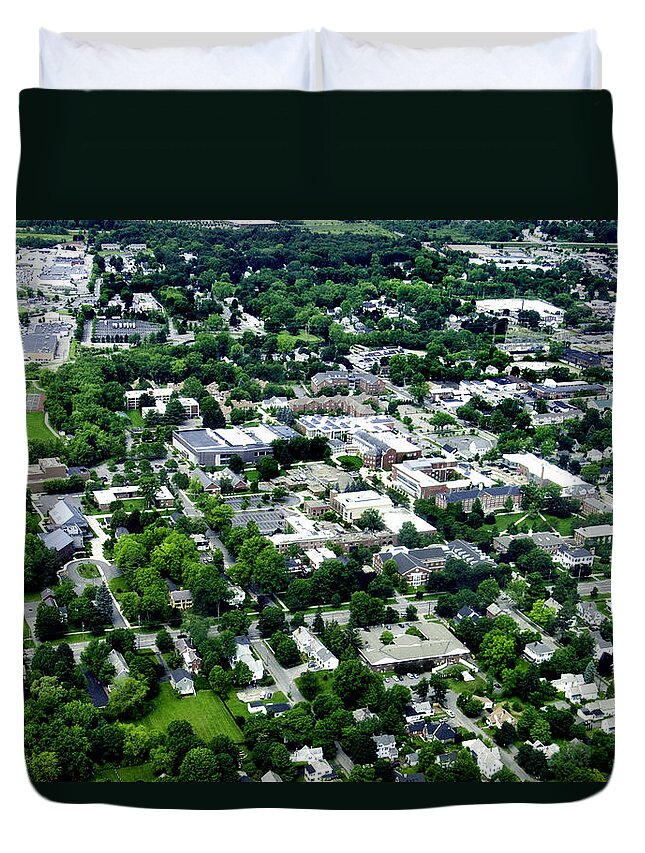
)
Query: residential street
[
  {"x": 284, "y": 678},
  {"x": 465, "y": 722}
]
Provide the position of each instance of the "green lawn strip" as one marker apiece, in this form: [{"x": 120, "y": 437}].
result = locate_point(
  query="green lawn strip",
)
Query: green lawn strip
[
  {"x": 205, "y": 711},
  {"x": 26, "y": 633},
  {"x": 236, "y": 707},
  {"x": 118, "y": 586},
  {"x": 32, "y": 596},
  {"x": 136, "y": 773},
  {"x": 36, "y": 429},
  {"x": 135, "y": 418},
  {"x": 336, "y": 226}
]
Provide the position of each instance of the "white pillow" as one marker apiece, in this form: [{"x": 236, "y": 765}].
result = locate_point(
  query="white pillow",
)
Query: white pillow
[
  {"x": 565, "y": 62},
  {"x": 285, "y": 62}
]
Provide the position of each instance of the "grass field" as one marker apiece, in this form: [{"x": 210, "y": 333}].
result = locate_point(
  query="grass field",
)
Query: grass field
[
  {"x": 136, "y": 773},
  {"x": 49, "y": 238},
  {"x": 135, "y": 418},
  {"x": 288, "y": 342},
  {"x": 337, "y": 226},
  {"x": 118, "y": 586},
  {"x": 205, "y": 712},
  {"x": 36, "y": 428}
]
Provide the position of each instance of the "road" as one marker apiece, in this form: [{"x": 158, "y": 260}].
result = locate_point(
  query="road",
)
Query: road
[
  {"x": 215, "y": 542},
  {"x": 604, "y": 586},
  {"x": 284, "y": 678},
  {"x": 465, "y": 722}
]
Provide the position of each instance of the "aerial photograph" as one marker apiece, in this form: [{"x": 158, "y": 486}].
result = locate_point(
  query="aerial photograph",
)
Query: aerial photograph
[{"x": 318, "y": 500}]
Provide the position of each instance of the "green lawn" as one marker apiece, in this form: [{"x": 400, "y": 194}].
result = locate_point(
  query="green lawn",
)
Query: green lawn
[
  {"x": 36, "y": 428},
  {"x": 26, "y": 633},
  {"x": 136, "y": 773},
  {"x": 324, "y": 680},
  {"x": 288, "y": 342},
  {"x": 205, "y": 712},
  {"x": 118, "y": 586},
  {"x": 337, "y": 226},
  {"x": 88, "y": 570},
  {"x": 135, "y": 418}
]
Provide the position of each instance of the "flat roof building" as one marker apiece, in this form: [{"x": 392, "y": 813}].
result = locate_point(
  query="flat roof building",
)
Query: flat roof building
[
  {"x": 210, "y": 447},
  {"x": 435, "y": 645}
]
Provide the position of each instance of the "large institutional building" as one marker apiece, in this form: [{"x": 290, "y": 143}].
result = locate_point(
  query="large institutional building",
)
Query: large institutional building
[{"x": 215, "y": 447}]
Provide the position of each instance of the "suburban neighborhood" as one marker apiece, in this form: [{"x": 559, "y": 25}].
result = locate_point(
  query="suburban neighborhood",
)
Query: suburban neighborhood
[{"x": 318, "y": 500}]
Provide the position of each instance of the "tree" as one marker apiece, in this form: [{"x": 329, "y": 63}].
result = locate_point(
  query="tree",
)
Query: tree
[
  {"x": 127, "y": 699},
  {"x": 220, "y": 680},
  {"x": 209, "y": 592},
  {"x": 365, "y": 610},
  {"x": 242, "y": 675},
  {"x": 164, "y": 641},
  {"x": 464, "y": 768},
  {"x": 95, "y": 658},
  {"x": 308, "y": 685},
  {"x": 285, "y": 649},
  {"x": 505, "y": 735},
  {"x": 533, "y": 761},
  {"x": 371, "y": 520},
  {"x": 439, "y": 687},
  {"x": 148, "y": 488},
  {"x": 212, "y": 415},
  {"x": 497, "y": 651},
  {"x": 411, "y": 613},
  {"x": 49, "y": 623},
  {"x": 470, "y": 706},
  {"x": 267, "y": 468},
  {"x": 271, "y": 619},
  {"x": 442, "y": 420},
  {"x": 387, "y": 638},
  {"x": 199, "y": 765},
  {"x": 318, "y": 624},
  {"x": 104, "y": 603},
  {"x": 590, "y": 672}
]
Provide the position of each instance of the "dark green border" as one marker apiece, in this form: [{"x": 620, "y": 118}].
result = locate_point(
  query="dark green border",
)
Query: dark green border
[
  {"x": 223, "y": 795},
  {"x": 285, "y": 155}
]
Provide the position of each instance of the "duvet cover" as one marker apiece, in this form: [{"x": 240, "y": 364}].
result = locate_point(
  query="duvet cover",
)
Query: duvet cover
[{"x": 323, "y": 496}]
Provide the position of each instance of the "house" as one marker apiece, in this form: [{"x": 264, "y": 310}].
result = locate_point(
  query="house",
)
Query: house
[
  {"x": 493, "y": 611},
  {"x": 47, "y": 597},
  {"x": 270, "y": 776},
  {"x": 486, "y": 702},
  {"x": 552, "y": 604},
  {"x": 408, "y": 777},
  {"x": 442, "y": 732},
  {"x": 538, "y": 652},
  {"x": 244, "y": 654},
  {"x": 417, "y": 711},
  {"x": 362, "y": 714},
  {"x": 499, "y": 715},
  {"x": 61, "y": 543},
  {"x": 277, "y": 709},
  {"x": 573, "y": 558},
  {"x": 467, "y": 613},
  {"x": 307, "y": 754},
  {"x": 575, "y": 689},
  {"x": 548, "y": 751},
  {"x": 594, "y": 535},
  {"x": 601, "y": 646},
  {"x": 446, "y": 759},
  {"x": 488, "y": 759},
  {"x": 182, "y": 682},
  {"x": 319, "y": 770},
  {"x": 432, "y": 643},
  {"x": 181, "y": 599},
  {"x": 593, "y": 714},
  {"x": 66, "y": 516},
  {"x": 589, "y": 613},
  {"x": 386, "y": 747},
  {"x": 319, "y": 655},
  {"x": 192, "y": 661},
  {"x": 256, "y": 707},
  {"x": 413, "y": 564},
  {"x": 121, "y": 669},
  {"x": 412, "y": 759}
]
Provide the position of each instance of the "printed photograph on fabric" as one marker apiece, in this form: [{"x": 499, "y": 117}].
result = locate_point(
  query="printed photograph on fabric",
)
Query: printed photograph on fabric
[{"x": 318, "y": 500}]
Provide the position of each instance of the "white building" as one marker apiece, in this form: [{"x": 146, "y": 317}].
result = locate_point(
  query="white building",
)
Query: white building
[
  {"x": 488, "y": 759},
  {"x": 386, "y": 747},
  {"x": 244, "y": 654},
  {"x": 540, "y": 471},
  {"x": 308, "y": 644},
  {"x": 352, "y": 505}
]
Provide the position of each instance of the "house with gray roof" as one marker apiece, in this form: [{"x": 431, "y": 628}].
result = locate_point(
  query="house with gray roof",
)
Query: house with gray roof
[
  {"x": 68, "y": 517},
  {"x": 61, "y": 542},
  {"x": 182, "y": 682}
]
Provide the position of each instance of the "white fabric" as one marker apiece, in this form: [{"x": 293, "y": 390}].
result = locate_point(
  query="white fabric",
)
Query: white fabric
[
  {"x": 285, "y": 62},
  {"x": 565, "y": 62}
]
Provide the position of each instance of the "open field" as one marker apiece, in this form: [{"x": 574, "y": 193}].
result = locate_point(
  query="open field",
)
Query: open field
[
  {"x": 337, "y": 226},
  {"x": 136, "y": 773},
  {"x": 205, "y": 712},
  {"x": 135, "y": 418}
]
